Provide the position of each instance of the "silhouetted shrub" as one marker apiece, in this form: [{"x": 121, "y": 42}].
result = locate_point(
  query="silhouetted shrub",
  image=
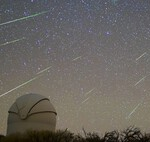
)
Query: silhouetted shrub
[
  {"x": 90, "y": 137},
  {"x": 47, "y": 136},
  {"x": 79, "y": 138},
  {"x": 131, "y": 134},
  {"x": 111, "y": 136}
]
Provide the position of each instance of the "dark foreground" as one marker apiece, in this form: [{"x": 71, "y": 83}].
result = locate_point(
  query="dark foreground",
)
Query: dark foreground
[{"x": 131, "y": 134}]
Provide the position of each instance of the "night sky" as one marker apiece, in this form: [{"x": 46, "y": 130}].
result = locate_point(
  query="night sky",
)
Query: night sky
[{"x": 90, "y": 57}]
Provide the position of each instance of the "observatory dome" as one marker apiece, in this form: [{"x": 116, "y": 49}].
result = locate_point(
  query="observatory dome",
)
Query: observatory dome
[{"x": 31, "y": 112}]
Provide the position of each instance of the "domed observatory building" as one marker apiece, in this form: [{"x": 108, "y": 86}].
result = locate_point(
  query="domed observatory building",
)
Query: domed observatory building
[{"x": 31, "y": 112}]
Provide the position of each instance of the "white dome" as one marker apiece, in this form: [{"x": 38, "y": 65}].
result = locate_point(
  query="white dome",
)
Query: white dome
[{"x": 31, "y": 112}]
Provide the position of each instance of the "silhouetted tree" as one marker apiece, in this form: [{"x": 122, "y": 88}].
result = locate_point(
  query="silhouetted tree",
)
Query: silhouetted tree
[
  {"x": 111, "y": 136},
  {"x": 90, "y": 137},
  {"x": 79, "y": 138},
  {"x": 131, "y": 134}
]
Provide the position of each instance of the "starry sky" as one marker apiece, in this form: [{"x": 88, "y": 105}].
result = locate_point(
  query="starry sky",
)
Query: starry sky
[{"x": 90, "y": 57}]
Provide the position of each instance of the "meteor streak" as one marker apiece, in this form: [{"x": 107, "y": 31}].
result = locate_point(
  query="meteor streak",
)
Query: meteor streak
[
  {"x": 21, "y": 85},
  {"x": 140, "y": 81},
  {"x": 89, "y": 91},
  {"x": 13, "y": 41},
  {"x": 44, "y": 70},
  {"x": 85, "y": 100},
  {"x": 138, "y": 105},
  {"x": 114, "y": 1},
  {"x": 25, "y": 83},
  {"x": 141, "y": 56},
  {"x": 77, "y": 58},
  {"x": 24, "y": 18},
  {"x": 133, "y": 111}
]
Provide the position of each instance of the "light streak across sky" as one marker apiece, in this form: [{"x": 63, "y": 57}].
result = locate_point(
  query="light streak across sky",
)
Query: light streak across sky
[
  {"x": 21, "y": 85},
  {"x": 142, "y": 79},
  {"x": 114, "y": 1},
  {"x": 79, "y": 57},
  {"x": 133, "y": 111},
  {"x": 86, "y": 94},
  {"x": 13, "y": 41},
  {"x": 85, "y": 100},
  {"x": 89, "y": 44},
  {"x": 44, "y": 70},
  {"x": 25, "y": 83},
  {"x": 141, "y": 56},
  {"x": 24, "y": 18},
  {"x": 137, "y": 106},
  {"x": 89, "y": 91}
]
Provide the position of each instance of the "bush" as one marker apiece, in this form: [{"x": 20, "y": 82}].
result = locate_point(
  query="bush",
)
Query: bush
[{"x": 131, "y": 134}]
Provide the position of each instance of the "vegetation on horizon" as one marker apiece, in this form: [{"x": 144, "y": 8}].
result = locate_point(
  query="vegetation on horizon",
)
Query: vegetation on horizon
[{"x": 131, "y": 134}]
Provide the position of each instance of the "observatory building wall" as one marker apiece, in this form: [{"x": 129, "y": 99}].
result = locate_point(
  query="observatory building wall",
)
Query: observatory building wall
[{"x": 31, "y": 112}]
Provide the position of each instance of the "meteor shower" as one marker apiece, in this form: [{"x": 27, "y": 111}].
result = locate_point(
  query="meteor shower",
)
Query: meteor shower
[{"x": 90, "y": 58}]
